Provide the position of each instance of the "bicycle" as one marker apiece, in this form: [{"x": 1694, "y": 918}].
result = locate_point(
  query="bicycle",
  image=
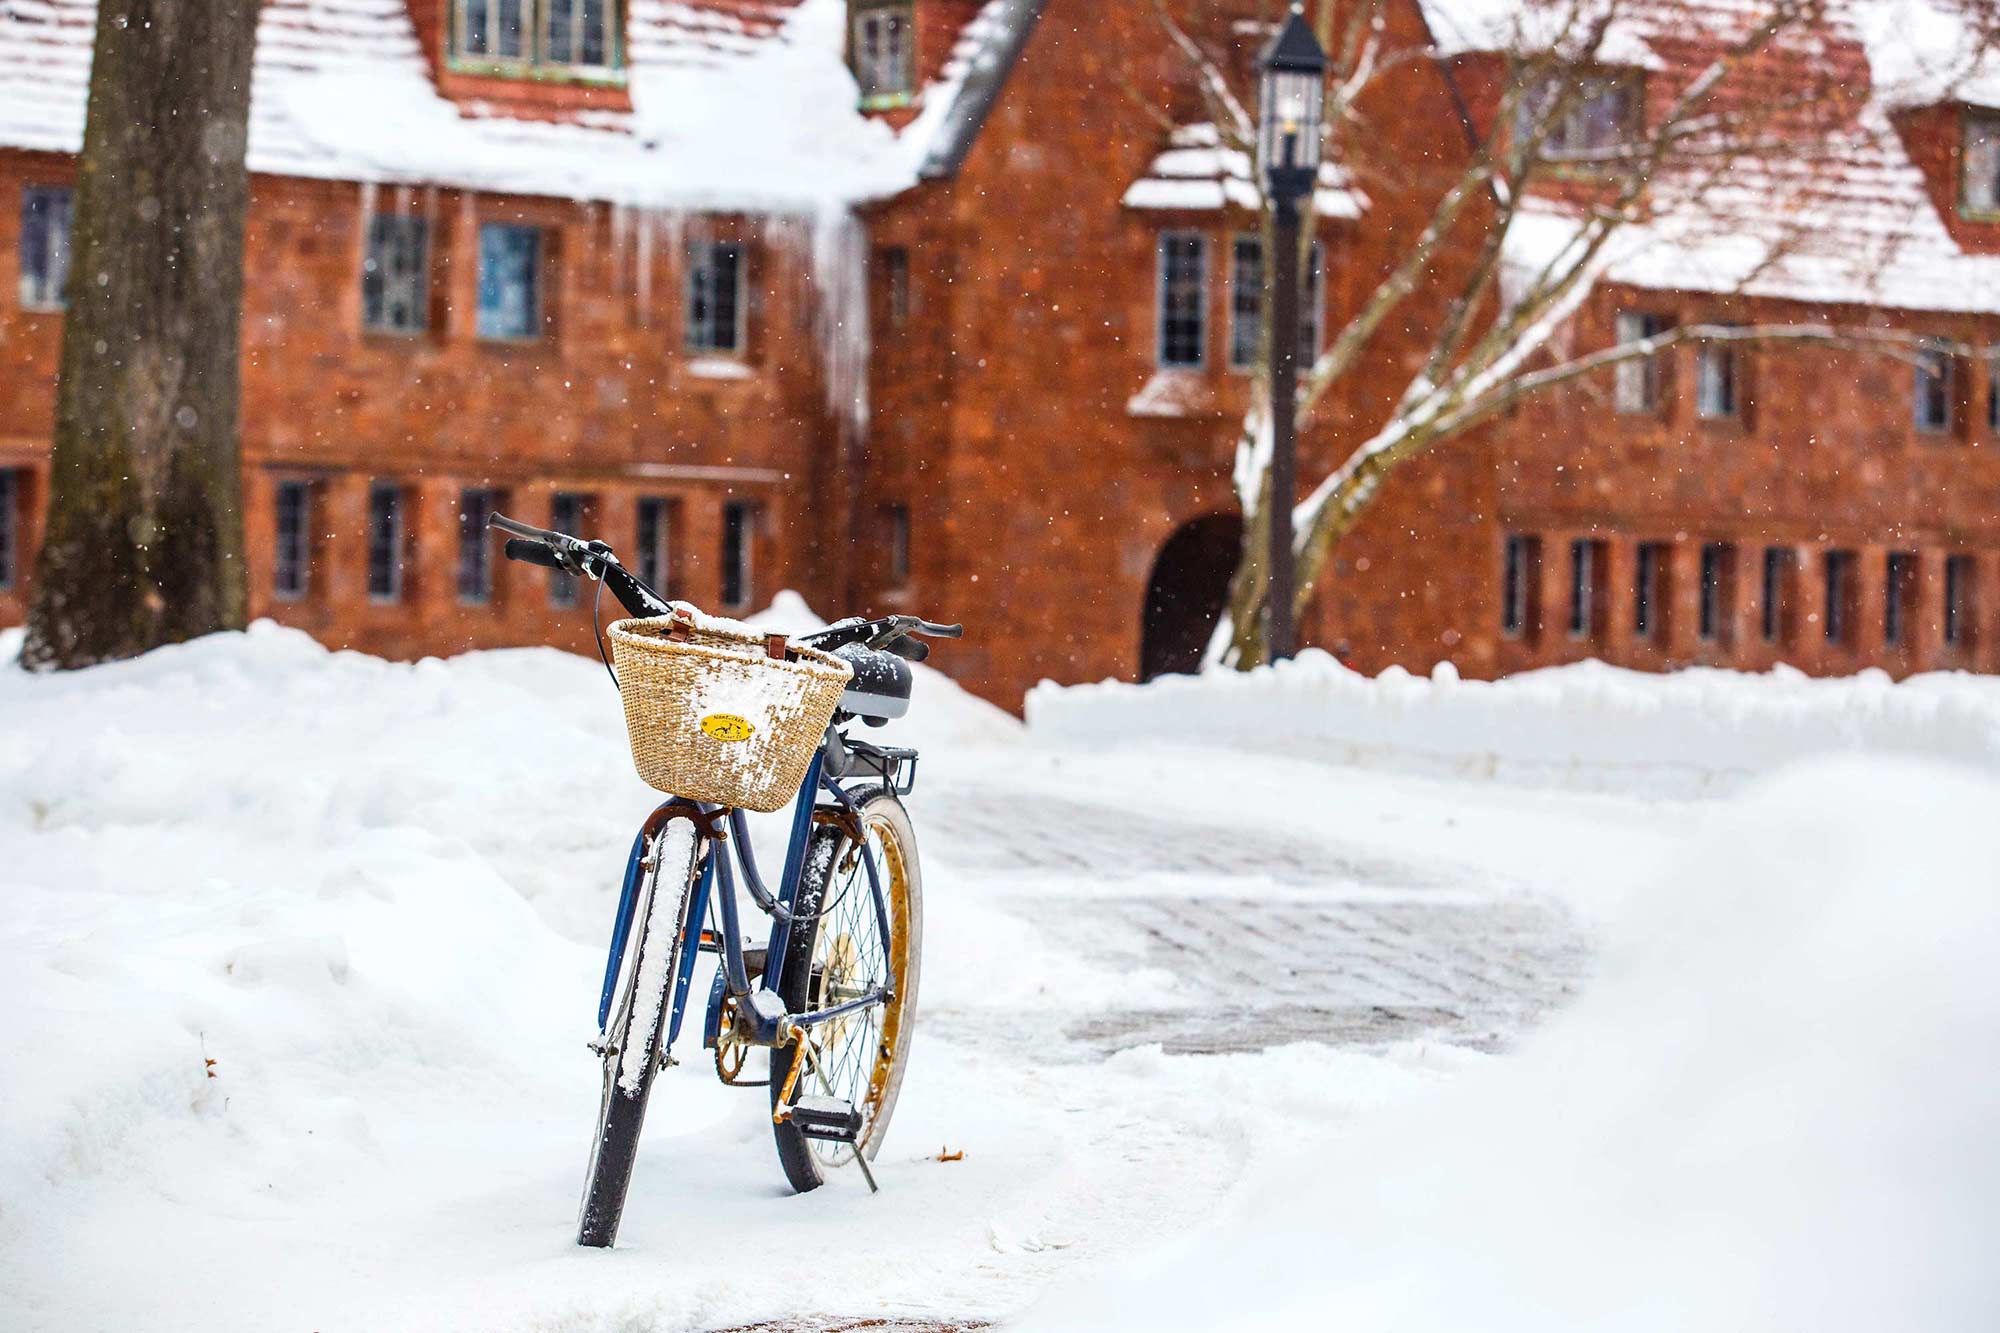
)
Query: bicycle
[{"x": 832, "y": 991}]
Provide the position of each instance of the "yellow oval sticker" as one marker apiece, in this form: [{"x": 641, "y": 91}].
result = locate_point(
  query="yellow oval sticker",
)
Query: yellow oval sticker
[{"x": 727, "y": 727}]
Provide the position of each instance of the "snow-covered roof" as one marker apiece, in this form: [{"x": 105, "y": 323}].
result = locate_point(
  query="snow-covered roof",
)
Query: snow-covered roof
[
  {"x": 736, "y": 104},
  {"x": 1840, "y": 214},
  {"x": 1197, "y": 172}
]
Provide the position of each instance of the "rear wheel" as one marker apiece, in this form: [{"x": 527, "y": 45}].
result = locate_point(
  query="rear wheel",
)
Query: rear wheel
[
  {"x": 837, "y": 952},
  {"x": 636, "y": 1027}
]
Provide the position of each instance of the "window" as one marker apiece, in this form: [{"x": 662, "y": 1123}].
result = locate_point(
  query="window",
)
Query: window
[
  {"x": 394, "y": 285},
  {"x": 1837, "y": 620},
  {"x": 1960, "y": 586},
  {"x": 883, "y": 41},
  {"x": 1183, "y": 298},
  {"x": 1246, "y": 303},
  {"x": 46, "y": 211},
  {"x": 896, "y": 282},
  {"x": 715, "y": 297},
  {"x": 1993, "y": 395},
  {"x": 10, "y": 514},
  {"x": 1581, "y": 117},
  {"x": 291, "y": 570},
  {"x": 1980, "y": 189},
  {"x": 655, "y": 538},
  {"x": 562, "y": 34},
  {"x": 1246, "y": 300},
  {"x": 1586, "y": 577},
  {"x": 565, "y": 515},
  {"x": 1718, "y": 591},
  {"x": 385, "y": 542},
  {"x": 1781, "y": 566},
  {"x": 739, "y": 539},
  {"x": 510, "y": 281},
  {"x": 1638, "y": 384},
  {"x": 1519, "y": 585},
  {"x": 1933, "y": 391},
  {"x": 1716, "y": 381},
  {"x": 1899, "y": 594},
  {"x": 897, "y": 520},
  {"x": 1649, "y": 590},
  {"x": 475, "y": 548}
]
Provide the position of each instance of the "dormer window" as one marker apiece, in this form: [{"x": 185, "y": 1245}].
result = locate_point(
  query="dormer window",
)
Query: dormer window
[
  {"x": 538, "y": 36},
  {"x": 1979, "y": 193},
  {"x": 882, "y": 48},
  {"x": 1581, "y": 117}
]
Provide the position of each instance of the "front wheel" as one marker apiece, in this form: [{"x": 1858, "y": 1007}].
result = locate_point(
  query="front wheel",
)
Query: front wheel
[
  {"x": 636, "y": 1028},
  {"x": 838, "y": 951}
]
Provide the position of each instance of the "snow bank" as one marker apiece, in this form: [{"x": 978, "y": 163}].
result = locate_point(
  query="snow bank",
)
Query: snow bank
[
  {"x": 1774, "y": 1109},
  {"x": 1588, "y": 725}
]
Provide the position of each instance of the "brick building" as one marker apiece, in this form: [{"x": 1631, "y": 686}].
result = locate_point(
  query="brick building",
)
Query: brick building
[{"x": 906, "y": 305}]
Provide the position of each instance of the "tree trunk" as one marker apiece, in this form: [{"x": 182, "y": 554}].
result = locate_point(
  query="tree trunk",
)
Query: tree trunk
[{"x": 144, "y": 541}]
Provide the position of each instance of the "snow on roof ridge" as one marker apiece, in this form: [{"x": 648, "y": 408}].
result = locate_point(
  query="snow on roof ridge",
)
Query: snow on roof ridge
[{"x": 1196, "y": 173}]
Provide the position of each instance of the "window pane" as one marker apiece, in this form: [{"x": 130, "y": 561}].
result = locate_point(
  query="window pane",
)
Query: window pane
[
  {"x": 882, "y": 50},
  {"x": 1837, "y": 612},
  {"x": 289, "y": 575},
  {"x": 715, "y": 284},
  {"x": 1933, "y": 392},
  {"x": 1716, "y": 372},
  {"x": 385, "y": 543},
  {"x": 653, "y": 538},
  {"x": 475, "y": 27},
  {"x": 44, "y": 250},
  {"x": 510, "y": 29},
  {"x": 1958, "y": 593},
  {"x": 394, "y": 276},
  {"x": 475, "y": 546},
  {"x": 1718, "y": 581},
  {"x": 1246, "y": 300},
  {"x": 1637, "y": 387},
  {"x": 1579, "y": 589},
  {"x": 1183, "y": 298},
  {"x": 559, "y": 31},
  {"x": 10, "y": 504},
  {"x": 596, "y": 49},
  {"x": 738, "y": 541},
  {"x": 1311, "y": 297},
  {"x": 1649, "y": 590},
  {"x": 1778, "y": 566},
  {"x": 565, "y": 516},
  {"x": 1898, "y": 595},
  {"x": 509, "y": 280},
  {"x": 1982, "y": 164}
]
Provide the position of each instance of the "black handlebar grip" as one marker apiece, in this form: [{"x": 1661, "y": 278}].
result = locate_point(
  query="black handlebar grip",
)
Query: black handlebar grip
[
  {"x": 929, "y": 630},
  {"x": 533, "y": 553}
]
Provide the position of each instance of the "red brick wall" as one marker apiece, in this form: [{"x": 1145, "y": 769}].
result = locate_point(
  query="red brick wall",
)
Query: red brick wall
[{"x": 606, "y": 404}]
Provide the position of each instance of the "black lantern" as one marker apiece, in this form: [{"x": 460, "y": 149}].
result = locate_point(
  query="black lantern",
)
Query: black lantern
[{"x": 1291, "y": 106}]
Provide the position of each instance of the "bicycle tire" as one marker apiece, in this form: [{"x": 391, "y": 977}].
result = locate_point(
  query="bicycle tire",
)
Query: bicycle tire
[
  {"x": 640, "y": 1017},
  {"x": 807, "y": 1161}
]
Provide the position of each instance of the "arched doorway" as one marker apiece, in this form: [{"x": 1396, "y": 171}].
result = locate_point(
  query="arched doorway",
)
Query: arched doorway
[{"x": 1186, "y": 595}]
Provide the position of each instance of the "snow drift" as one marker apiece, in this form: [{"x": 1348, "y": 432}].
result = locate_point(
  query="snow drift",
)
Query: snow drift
[
  {"x": 1589, "y": 725},
  {"x": 1774, "y": 1110}
]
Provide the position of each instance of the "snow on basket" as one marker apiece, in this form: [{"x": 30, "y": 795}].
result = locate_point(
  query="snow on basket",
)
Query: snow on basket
[{"x": 720, "y": 713}]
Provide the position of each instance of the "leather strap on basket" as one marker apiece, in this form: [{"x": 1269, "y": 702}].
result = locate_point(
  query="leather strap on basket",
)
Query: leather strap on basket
[{"x": 680, "y": 629}]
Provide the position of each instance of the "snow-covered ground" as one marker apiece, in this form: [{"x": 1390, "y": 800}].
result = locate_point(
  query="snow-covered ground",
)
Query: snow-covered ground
[{"x": 1225, "y": 1037}]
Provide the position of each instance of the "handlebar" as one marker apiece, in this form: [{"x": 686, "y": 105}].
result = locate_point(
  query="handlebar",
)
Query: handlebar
[
  {"x": 572, "y": 555},
  {"x": 532, "y": 553}
]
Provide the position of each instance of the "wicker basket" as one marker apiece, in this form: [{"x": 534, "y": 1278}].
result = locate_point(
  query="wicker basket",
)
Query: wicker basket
[{"x": 726, "y": 716}]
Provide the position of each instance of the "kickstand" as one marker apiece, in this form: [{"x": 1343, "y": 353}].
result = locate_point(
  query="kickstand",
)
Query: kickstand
[{"x": 867, "y": 1173}]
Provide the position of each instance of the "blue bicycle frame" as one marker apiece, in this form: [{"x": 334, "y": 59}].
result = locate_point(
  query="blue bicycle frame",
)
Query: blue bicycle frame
[{"x": 733, "y": 978}]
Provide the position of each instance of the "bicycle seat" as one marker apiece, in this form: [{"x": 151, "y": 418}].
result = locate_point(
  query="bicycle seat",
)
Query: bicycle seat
[{"x": 880, "y": 689}]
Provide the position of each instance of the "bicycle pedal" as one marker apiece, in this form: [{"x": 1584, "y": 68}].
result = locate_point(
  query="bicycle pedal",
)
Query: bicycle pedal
[{"x": 827, "y": 1118}]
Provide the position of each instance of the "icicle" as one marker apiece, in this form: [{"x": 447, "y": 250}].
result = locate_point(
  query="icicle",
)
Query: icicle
[{"x": 840, "y": 284}]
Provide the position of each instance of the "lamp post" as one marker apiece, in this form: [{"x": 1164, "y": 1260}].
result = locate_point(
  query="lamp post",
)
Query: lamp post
[{"x": 1288, "y": 149}]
